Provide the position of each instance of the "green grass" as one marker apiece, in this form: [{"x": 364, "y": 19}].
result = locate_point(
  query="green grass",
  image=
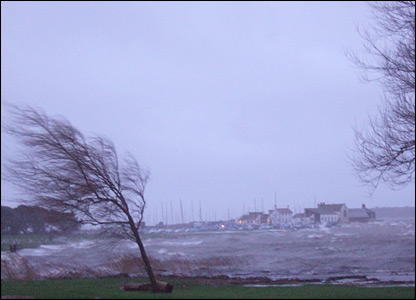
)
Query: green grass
[{"x": 108, "y": 288}]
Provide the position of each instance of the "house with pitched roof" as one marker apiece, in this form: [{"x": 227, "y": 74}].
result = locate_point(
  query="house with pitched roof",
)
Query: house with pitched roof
[
  {"x": 340, "y": 210},
  {"x": 328, "y": 213},
  {"x": 281, "y": 217},
  {"x": 254, "y": 218},
  {"x": 362, "y": 214},
  {"x": 321, "y": 215}
]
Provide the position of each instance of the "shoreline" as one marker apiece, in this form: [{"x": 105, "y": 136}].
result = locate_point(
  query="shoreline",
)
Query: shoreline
[
  {"x": 355, "y": 280},
  {"x": 256, "y": 281}
]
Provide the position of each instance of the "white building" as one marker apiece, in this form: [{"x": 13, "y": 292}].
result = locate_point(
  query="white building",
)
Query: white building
[
  {"x": 340, "y": 210},
  {"x": 281, "y": 217},
  {"x": 328, "y": 213},
  {"x": 302, "y": 219},
  {"x": 329, "y": 217}
]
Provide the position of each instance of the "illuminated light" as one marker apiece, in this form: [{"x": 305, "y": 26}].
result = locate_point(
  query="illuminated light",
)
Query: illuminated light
[{"x": 222, "y": 226}]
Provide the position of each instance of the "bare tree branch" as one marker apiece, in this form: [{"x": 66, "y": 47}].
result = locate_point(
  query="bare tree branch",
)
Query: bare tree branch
[{"x": 385, "y": 151}]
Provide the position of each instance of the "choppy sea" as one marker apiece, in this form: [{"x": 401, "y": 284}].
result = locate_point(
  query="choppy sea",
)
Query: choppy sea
[{"x": 382, "y": 250}]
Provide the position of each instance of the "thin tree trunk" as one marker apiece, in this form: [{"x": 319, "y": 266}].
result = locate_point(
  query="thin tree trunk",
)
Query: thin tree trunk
[{"x": 149, "y": 269}]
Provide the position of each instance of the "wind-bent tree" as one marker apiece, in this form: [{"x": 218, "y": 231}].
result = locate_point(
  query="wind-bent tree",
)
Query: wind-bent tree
[
  {"x": 385, "y": 151},
  {"x": 59, "y": 168}
]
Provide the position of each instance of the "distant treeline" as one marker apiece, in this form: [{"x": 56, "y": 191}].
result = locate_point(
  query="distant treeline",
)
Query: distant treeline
[
  {"x": 31, "y": 219},
  {"x": 394, "y": 212}
]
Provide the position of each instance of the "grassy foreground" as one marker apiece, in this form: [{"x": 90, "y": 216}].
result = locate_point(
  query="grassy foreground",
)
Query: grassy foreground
[{"x": 108, "y": 288}]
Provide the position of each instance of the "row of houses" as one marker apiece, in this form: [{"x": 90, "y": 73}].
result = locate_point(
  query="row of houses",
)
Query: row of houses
[{"x": 324, "y": 213}]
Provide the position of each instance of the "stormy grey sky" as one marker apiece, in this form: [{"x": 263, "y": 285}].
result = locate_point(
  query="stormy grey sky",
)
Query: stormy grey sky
[{"x": 227, "y": 103}]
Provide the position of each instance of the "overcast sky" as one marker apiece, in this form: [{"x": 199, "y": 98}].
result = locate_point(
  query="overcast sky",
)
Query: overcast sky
[{"x": 227, "y": 103}]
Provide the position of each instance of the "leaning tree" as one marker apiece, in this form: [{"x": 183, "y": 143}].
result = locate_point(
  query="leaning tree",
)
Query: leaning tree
[{"x": 61, "y": 169}]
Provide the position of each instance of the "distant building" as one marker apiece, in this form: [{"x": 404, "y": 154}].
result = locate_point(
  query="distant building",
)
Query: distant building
[
  {"x": 321, "y": 215},
  {"x": 281, "y": 216},
  {"x": 197, "y": 224},
  {"x": 362, "y": 214},
  {"x": 371, "y": 213},
  {"x": 328, "y": 213},
  {"x": 339, "y": 209},
  {"x": 301, "y": 218},
  {"x": 329, "y": 217},
  {"x": 254, "y": 218}
]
